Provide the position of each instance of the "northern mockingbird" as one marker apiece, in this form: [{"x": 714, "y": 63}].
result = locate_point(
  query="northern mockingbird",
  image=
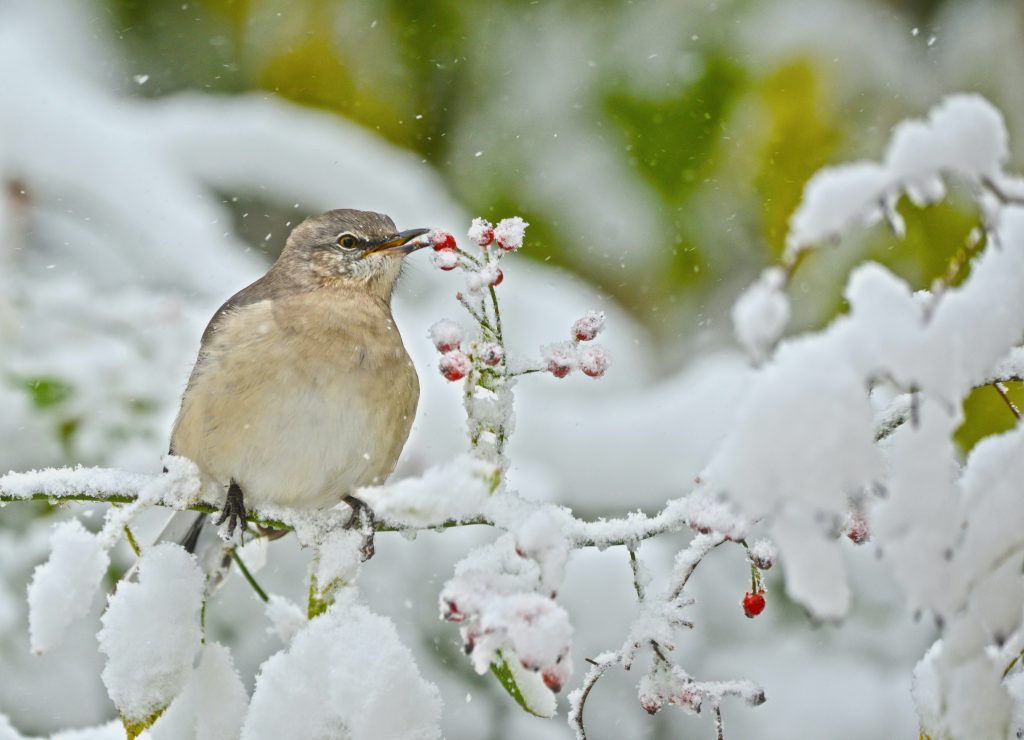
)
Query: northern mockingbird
[{"x": 303, "y": 390}]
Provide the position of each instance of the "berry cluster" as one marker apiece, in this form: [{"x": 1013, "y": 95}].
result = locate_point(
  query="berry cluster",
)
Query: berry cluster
[
  {"x": 592, "y": 360},
  {"x": 459, "y": 356}
]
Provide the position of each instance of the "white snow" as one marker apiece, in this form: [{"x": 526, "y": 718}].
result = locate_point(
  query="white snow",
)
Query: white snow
[
  {"x": 63, "y": 587},
  {"x": 212, "y": 705},
  {"x": 345, "y": 675},
  {"x": 588, "y": 326},
  {"x": 446, "y": 335},
  {"x": 481, "y": 232},
  {"x": 455, "y": 490},
  {"x": 286, "y": 617},
  {"x": 760, "y": 315},
  {"x": 965, "y": 136},
  {"x": 509, "y": 233},
  {"x": 151, "y": 632}
]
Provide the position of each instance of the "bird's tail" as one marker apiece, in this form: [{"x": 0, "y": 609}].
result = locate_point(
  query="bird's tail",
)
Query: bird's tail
[{"x": 198, "y": 535}]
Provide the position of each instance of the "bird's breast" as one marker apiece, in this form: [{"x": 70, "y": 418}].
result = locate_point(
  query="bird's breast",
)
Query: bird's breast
[{"x": 299, "y": 412}]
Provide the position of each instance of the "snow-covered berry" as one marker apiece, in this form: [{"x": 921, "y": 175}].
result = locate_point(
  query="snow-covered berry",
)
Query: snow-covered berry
[
  {"x": 446, "y": 335},
  {"x": 451, "y": 612},
  {"x": 442, "y": 241},
  {"x": 593, "y": 360},
  {"x": 588, "y": 326},
  {"x": 509, "y": 233},
  {"x": 455, "y": 365},
  {"x": 753, "y": 604},
  {"x": 446, "y": 259},
  {"x": 490, "y": 353},
  {"x": 560, "y": 358},
  {"x": 858, "y": 533},
  {"x": 481, "y": 232},
  {"x": 651, "y": 704},
  {"x": 552, "y": 680},
  {"x": 762, "y": 554},
  {"x": 498, "y": 278}
]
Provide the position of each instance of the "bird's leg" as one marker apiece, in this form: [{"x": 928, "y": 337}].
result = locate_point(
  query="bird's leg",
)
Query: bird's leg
[
  {"x": 360, "y": 511},
  {"x": 234, "y": 509}
]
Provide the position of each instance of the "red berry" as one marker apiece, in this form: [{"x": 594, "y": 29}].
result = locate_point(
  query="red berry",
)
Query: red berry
[
  {"x": 491, "y": 354},
  {"x": 442, "y": 240},
  {"x": 454, "y": 366},
  {"x": 753, "y": 604},
  {"x": 448, "y": 267},
  {"x": 651, "y": 705},
  {"x": 858, "y": 534},
  {"x": 453, "y": 614},
  {"x": 552, "y": 681},
  {"x": 499, "y": 278},
  {"x": 558, "y": 370}
]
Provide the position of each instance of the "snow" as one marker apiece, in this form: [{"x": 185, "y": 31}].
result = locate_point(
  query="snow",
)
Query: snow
[
  {"x": 151, "y": 632},
  {"x": 762, "y": 554},
  {"x": 509, "y": 233},
  {"x": 62, "y": 482},
  {"x": 481, "y": 232},
  {"x": 212, "y": 705},
  {"x": 446, "y": 335},
  {"x": 286, "y": 617},
  {"x": 593, "y": 360},
  {"x": 588, "y": 326},
  {"x": 454, "y": 490},
  {"x": 62, "y": 588},
  {"x": 345, "y": 675},
  {"x": 446, "y": 259},
  {"x": 760, "y": 315},
  {"x": 964, "y": 136},
  {"x": 338, "y": 559}
]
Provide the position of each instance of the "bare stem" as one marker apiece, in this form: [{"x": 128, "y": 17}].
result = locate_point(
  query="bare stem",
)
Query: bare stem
[
  {"x": 597, "y": 669},
  {"x": 1001, "y": 389},
  {"x": 132, "y": 542},
  {"x": 248, "y": 576}
]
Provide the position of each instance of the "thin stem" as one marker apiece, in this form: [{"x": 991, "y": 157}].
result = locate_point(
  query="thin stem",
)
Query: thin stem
[
  {"x": 1001, "y": 389},
  {"x": 248, "y": 576},
  {"x": 598, "y": 669},
  {"x": 497, "y": 315},
  {"x": 132, "y": 542},
  {"x": 719, "y": 726}
]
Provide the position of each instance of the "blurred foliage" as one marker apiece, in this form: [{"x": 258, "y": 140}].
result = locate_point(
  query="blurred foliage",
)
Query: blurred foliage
[{"x": 426, "y": 75}]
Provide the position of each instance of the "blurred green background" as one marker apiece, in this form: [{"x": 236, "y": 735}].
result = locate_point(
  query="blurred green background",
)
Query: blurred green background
[{"x": 699, "y": 130}]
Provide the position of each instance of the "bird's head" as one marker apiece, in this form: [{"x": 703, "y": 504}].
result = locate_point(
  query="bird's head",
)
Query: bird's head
[{"x": 360, "y": 248}]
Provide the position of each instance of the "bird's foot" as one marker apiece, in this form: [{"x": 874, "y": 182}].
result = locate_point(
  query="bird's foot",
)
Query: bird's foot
[
  {"x": 362, "y": 514},
  {"x": 234, "y": 509}
]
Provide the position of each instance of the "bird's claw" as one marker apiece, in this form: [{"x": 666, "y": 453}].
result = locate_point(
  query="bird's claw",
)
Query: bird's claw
[
  {"x": 234, "y": 510},
  {"x": 362, "y": 514}
]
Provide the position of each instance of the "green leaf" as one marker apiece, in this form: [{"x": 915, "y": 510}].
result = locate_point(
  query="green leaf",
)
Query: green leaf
[
  {"x": 46, "y": 392},
  {"x": 526, "y": 687}
]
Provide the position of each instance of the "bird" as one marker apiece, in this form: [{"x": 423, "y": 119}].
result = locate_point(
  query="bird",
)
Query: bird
[{"x": 302, "y": 391}]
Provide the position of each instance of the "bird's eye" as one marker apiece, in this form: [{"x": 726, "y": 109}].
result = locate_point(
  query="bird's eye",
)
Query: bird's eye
[{"x": 347, "y": 241}]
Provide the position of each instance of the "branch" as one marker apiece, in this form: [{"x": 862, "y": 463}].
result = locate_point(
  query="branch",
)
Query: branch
[{"x": 578, "y": 698}]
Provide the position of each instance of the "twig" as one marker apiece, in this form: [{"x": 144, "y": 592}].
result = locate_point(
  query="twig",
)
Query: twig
[
  {"x": 719, "y": 727},
  {"x": 1001, "y": 389},
  {"x": 248, "y": 576},
  {"x": 598, "y": 669},
  {"x": 132, "y": 542}
]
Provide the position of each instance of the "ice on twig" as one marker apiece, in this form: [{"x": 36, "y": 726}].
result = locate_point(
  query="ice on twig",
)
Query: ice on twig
[
  {"x": 454, "y": 490},
  {"x": 63, "y": 587}
]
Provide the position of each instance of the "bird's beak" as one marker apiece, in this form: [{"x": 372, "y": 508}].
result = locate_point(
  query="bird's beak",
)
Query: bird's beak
[{"x": 401, "y": 243}]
